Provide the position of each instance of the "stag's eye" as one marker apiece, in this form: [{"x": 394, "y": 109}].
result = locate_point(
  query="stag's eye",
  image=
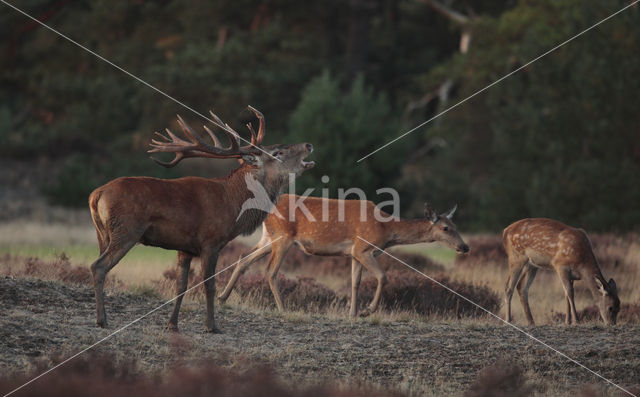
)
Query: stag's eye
[{"x": 445, "y": 229}]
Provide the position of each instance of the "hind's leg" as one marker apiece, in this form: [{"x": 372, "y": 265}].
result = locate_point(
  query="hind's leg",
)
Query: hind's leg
[
  {"x": 99, "y": 269},
  {"x": 516, "y": 264},
  {"x": 523, "y": 290}
]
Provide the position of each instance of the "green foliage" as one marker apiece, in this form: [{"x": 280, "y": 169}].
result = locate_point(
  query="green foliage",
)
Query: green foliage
[
  {"x": 344, "y": 127},
  {"x": 557, "y": 139},
  {"x": 80, "y": 174},
  {"x": 560, "y": 138}
]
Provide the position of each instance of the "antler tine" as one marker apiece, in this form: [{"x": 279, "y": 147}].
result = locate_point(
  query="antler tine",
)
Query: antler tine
[
  {"x": 190, "y": 133},
  {"x": 213, "y": 136},
  {"x": 169, "y": 164},
  {"x": 261, "y": 127},
  {"x": 253, "y": 134},
  {"x": 233, "y": 136},
  {"x": 194, "y": 145}
]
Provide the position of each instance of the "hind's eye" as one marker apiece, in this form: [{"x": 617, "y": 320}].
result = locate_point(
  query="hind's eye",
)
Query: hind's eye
[{"x": 445, "y": 228}]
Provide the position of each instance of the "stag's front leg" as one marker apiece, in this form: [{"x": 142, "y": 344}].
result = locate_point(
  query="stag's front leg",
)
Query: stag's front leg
[
  {"x": 183, "y": 265},
  {"x": 209, "y": 260}
]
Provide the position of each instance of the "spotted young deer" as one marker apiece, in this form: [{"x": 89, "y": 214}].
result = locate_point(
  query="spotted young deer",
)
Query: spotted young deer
[
  {"x": 544, "y": 243},
  {"x": 329, "y": 231},
  {"x": 195, "y": 216}
]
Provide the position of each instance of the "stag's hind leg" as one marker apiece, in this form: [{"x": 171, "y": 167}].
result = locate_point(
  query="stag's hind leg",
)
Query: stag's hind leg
[
  {"x": 523, "y": 290},
  {"x": 516, "y": 265},
  {"x": 183, "y": 265},
  {"x": 99, "y": 269}
]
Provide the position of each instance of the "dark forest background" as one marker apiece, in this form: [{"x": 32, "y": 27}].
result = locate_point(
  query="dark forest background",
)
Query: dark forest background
[{"x": 559, "y": 139}]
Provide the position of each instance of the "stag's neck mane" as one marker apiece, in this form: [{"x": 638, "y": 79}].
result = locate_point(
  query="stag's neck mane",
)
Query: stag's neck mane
[{"x": 239, "y": 192}]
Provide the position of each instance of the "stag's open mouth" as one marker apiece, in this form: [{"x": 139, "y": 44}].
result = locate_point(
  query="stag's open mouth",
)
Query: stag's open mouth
[{"x": 308, "y": 164}]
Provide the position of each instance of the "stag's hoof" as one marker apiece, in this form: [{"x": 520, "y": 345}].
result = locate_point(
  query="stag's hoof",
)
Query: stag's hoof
[
  {"x": 172, "y": 327},
  {"x": 213, "y": 330},
  {"x": 222, "y": 300},
  {"x": 101, "y": 323}
]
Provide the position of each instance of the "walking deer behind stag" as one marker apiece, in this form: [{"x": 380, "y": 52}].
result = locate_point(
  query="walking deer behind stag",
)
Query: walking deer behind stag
[
  {"x": 194, "y": 216},
  {"x": 349, "y": 228},
  {"x": 544, "y": 243}
]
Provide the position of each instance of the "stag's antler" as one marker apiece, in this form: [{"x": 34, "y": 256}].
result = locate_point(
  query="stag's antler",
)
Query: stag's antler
[{"x": 195, "y": 146}]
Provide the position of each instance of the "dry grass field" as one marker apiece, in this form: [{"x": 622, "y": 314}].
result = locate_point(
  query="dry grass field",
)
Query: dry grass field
[{"x": 423, "y": 341}]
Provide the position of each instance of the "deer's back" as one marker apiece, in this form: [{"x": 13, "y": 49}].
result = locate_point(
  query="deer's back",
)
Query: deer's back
[
  {"x": 173, "y": 213},
  {"x": 545, "y": 241},
  {"x": 331, "y": 235}
]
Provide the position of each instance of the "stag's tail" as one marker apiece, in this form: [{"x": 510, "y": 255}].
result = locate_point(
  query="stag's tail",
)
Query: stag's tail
[{"x": 101, "y": 229}]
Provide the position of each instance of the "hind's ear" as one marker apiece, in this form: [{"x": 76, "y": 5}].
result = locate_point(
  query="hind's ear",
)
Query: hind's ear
[
  {"x": 601, "y": 287},
  {"x": 430, "y": 213}
]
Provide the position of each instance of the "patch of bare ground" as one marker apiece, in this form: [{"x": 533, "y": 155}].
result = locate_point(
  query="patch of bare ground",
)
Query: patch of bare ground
[{"x": 41, "y": 320}]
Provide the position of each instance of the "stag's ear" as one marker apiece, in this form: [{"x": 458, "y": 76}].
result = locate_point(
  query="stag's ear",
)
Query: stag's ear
[
  {"x": 250, "y": 159},
  {"x": 613, "y": 288},
  {"x": 429, "y": 213},
  {"x": 452, "y": 211},
  {"x": 601, "y": 287}
]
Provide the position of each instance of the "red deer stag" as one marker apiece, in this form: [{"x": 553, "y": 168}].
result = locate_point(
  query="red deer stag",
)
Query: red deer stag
[
  {"x": 195, "y": 216},
  {"x": 544, "y": 243},
  {"x": 329, "y": 230}
]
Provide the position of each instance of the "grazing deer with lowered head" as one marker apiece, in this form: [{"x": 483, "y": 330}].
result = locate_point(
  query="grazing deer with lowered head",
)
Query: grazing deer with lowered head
[
  {"x": 337, "y": 228},
  {"x": 195, "y": 216},
  {"x": 544, "y": 243}
]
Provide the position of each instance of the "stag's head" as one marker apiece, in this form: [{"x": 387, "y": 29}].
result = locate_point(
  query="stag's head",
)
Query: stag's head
[
  {"x": 277, "y": 161},
  {"x": 608, "y": 302},
  {"x": 444, "y": 230}
]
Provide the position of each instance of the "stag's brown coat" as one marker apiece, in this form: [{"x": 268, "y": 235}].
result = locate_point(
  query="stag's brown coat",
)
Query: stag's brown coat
[{"x": 195, "y": 216}]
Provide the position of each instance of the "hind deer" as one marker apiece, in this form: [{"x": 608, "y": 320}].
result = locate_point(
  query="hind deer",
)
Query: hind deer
[
  {"x": 544, "y": 243},
  {"x": 328, "y": 230},
  {"x": 194, "y": 216}
]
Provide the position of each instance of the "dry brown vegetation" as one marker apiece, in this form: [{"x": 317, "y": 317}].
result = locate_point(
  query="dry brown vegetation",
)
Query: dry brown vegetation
[
  {"x": 424, "y": 340},
  {"x": 109, "y": 375}
]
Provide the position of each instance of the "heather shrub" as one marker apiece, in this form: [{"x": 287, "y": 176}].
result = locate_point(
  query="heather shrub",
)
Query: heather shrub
[
  {"x": 105, "y": 375},
  {"x": 500, "y": 380},
  {"x": 483, "y": 251},
  {"x": 414, "y": 292},
  {"x": 59, "y": 269},
  {"x": 303, "y": 293}
]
